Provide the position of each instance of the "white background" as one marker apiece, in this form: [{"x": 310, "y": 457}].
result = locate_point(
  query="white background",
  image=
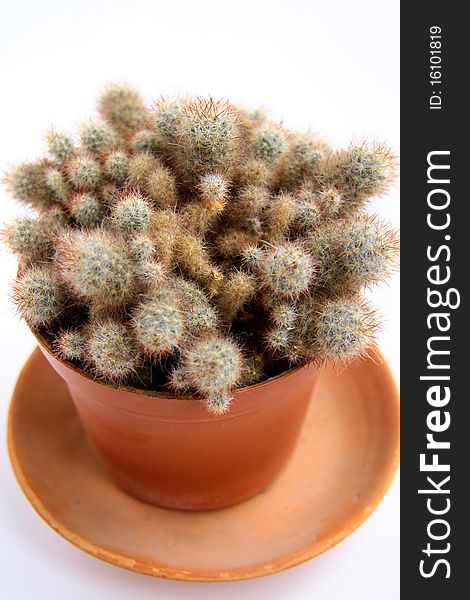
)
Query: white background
[{"x": 331, "y": 66}]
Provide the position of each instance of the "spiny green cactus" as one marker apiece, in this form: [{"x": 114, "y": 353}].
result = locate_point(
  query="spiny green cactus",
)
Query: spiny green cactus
[
  {"x": 131, "y": 214},
  {"x": 268, "y": 143},
  {"x": 252, "y": 257},
  {"x": 249, "y": 203},
  {"x": 284, "y": 315},
  {"x": 96, "y": 266},
  {"x": 144, "y": 140},
  {"x": 355, "y": 254},
  {"x": 178, "y": 381},
  {"x": 31, "y": 237},
  {"x": 27, "y": 183},
  {"x": 110, "y": 350},
  {"x": 116, "y": 166},
  {"x": 207, "y": 139},
  {"x": 84, "y": 173},
  {"x": 168, "y": 229},
  {"x": 343, "y": 329},
  {"x": 142, "y": 248},
  {"x": 213, "y": 191},
  {"x": 97, "y": 138},
  {"x": 165, "y": 233},
  {"x": 109, "y": 193},
  {"x": 199, "y": 315},
  {"x": 40, "y": 296},
  {"x": 254, "y": 368},
  {"x": 166, "y": 115},
  {"x": 158, "y": 324},
  {"x": 253, "y": 172},
  {"x": 87, "y": 210},
  {"x": 301, "y": 160},
  {"x": 359, "y": 172},
  {"x": 57, "y": 183},
  {"x": 287, "y": 270},
  {"x": 149, "y": 272},
  {"x": 60, "y": 145},
  {"x": 70, "y": 344},
  {"x": 140, "y": 165},
  {"x": 213, "y": 366},
  {"x": 330, "y": 202},
  {"x": 237, "y": 290},
  {"x": 122, "y": 107}
]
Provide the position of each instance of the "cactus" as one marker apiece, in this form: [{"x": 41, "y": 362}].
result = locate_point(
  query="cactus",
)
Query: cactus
[
  {"x": 253, "y": 172},
  {"x": 31, "y": 237},
  {"x": 178, "y": 382},
  {"x": 140, "y": 165},
  {"x": 166, "y": 115},
  {"x": 237, "y": 290},
  {"x": 213, "y": 366},
  {"x": 286, "y": 270},
  {"x": 301, "y": 161},
  {"x": 160, "y": 186},
  {"x": 158, "y": 324},
  {"x": 84, "y": 173},
  {"x": 110, "y": 350},
  {"x": 249, "y": 203},
  {"x": 199, "y": 315},
  {"x": 254, "y": 368},
  {"x": 97, "y": 138},
  {"x": 343, "y": 329},
  {"x": 27, "y": 183},
  {"x": 233, "y": 243},
  {"x": 58, "y": 185},
  {"x": 122, "y": 107},
  {"x": 109, "y": 193},
  {"x": 87, "y": 210},
  {"x": 167, "y": 229},
  {"x": 213, "y": 191},
  {"x": 70, "y": 344},
  {"x": 207, "y": 139},
  {"x": 252, "y": 257},
  {"x": 354, "y": 254},
  {"x": 280, "y": 216},
  {"x": 116, "y": 166},
  {"x": 359, "y": 172},
  {"x": 144, "y": 140},
  {"x": 268, "y": 144},
  {"x": 39, "y": 296},
  {"x": 131, "y": 214},
  {"x": 60, "y": 145},
  {"x": 96, "y": 266},
  {"x": 194, "y": 260},
  {"x": 330, "y": 202}
]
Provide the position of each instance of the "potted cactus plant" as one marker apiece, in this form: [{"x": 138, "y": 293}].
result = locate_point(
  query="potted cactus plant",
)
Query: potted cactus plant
[{"x": 187, "y": 267}]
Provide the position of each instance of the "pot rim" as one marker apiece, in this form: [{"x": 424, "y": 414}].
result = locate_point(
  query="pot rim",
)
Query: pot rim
[{"x": 312, "y": 364}]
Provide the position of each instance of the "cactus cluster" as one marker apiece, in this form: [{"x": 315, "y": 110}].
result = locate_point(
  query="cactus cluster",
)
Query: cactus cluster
[{"x": 193, "y": 246}]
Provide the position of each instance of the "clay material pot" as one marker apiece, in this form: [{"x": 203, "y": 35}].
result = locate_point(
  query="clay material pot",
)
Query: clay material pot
[{"x": 171, "y": 452}]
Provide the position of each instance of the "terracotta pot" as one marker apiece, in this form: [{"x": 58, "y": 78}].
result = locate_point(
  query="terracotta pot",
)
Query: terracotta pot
[{"x": 171, "y": 452}]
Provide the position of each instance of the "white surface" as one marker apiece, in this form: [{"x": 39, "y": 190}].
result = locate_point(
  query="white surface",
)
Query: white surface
[{"x": 331, "y": 66}]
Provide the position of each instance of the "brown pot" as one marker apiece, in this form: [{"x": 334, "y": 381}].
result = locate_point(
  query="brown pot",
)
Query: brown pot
[{"x": 171, "y": 452}]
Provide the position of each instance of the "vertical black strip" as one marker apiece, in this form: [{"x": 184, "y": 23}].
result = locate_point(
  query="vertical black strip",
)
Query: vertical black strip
[{"x": 435, "y": 271}]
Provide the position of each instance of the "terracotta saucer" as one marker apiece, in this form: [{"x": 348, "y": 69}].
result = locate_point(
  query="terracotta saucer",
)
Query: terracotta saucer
[{"x": 343, "y": 464}]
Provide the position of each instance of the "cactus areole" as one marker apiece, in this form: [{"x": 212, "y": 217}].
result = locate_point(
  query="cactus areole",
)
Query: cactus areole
[{"x": 190, "y": 247}]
